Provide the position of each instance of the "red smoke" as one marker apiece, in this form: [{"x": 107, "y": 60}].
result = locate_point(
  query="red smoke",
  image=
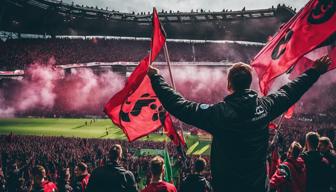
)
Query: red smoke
[
  {"x": 46, "y": 91},
  {"x": 85, "y": 92}
]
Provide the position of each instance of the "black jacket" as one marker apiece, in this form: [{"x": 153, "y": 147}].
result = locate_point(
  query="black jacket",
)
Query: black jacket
[
  {"x": 78, "y": 187},
  {"x": 318, "y": 172},
  {"x": 331, "y": 157},
  {"x": 111, "y": 178},
  {"x": 195, "y": 183},
  {"x": 239, "y": 128}
]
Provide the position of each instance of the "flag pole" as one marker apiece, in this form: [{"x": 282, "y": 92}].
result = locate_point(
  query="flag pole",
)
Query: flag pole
[
  {"x": 280, "y": 121},
  {"x": 150, "y": 57},
  {"x": 166, "y": 54},
  {"x": 276, "y": 136},
  {"x": 165, "y": 48}
]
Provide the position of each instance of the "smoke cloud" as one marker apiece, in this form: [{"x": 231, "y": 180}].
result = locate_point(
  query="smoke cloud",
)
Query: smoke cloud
[
  {"x": 5, "y": 111},
  {"x": 37, "y": 89},
  {"x": 47, "y": 91},
  {"x": 201, "y": 84}
]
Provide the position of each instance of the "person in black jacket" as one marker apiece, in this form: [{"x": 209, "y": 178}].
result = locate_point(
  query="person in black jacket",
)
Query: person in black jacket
[
  {"x": 327, "y": 150},
  {"x": 196, "y": 182},
  {"x": 82, "y": 177},
  {"x": 318, "y": 167},
  {"x": 64, "y": 181},
  {"x": 112, "y": 177},
  {"x": 243, "y": 116}
]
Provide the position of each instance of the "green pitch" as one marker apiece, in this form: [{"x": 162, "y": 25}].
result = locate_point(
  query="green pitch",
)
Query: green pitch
[{"x": 67, "y": 127}]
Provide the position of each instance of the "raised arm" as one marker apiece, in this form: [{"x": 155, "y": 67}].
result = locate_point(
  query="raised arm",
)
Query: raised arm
[
  {"x": 280, "y": 177},
  {"x": 280, "y": 101},
  {"x": 193, "y": 113}
]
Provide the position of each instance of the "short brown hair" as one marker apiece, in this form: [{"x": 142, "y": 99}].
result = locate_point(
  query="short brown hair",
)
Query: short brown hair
[
  {"x": 39, "y": 171},
  {"x": 115, "y": 152},
  {"x": 240, "y": 76},
  {"x": 295, "y": 149},
  {"x": 200, "y": 164},
  {"x": 313, "y": 139},
  {"x": 82, "y": 166},
  {"x": 156, "y": 165},
  {"x": 326, "y": 141}
]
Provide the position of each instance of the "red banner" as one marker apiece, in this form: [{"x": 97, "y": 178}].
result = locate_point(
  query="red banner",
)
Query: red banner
[
  {"x": 136, "y": 108},
  {"x": 308, "y": 29}
]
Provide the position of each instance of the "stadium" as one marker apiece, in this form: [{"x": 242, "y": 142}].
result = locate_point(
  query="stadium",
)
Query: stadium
[{"x": 60, "y": 63}]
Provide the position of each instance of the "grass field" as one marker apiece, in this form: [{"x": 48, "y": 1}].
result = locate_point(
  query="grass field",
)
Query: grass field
[{"x": 76, "y": 128}]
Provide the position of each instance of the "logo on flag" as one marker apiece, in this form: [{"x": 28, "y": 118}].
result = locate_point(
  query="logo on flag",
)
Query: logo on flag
[
  {"x": 280, "y": 48},
  {"x": 322, "y": 11}
]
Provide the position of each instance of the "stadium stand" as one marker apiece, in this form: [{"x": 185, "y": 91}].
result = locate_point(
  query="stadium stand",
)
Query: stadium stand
[
  {"x": 18, "y": 53},
  {"x": 58, "y": 18}
]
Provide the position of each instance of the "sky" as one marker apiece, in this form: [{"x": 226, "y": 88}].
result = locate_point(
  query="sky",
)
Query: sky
[{"x": 186, "y": 5}]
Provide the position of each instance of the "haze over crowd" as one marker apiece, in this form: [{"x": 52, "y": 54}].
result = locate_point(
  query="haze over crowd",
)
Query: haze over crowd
[{"x": 45, "y": 89}]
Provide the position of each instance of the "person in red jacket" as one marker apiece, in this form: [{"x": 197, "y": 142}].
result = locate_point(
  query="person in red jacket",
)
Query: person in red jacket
[
  {"x": 157, "y": 184},
  {"x": 291, "y": 174},
  {"x": 41, "y": 184}
]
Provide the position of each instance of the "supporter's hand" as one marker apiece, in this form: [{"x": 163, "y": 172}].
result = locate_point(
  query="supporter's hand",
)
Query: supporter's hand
[
  {"x": 322, "y": 64},
  {"x": 152, "y": 71}
]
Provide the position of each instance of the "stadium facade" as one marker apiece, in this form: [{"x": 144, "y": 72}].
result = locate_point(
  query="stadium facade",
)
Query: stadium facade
[
  {"x": 58, "y": 18},
  {"x": 200, "y": 38}
]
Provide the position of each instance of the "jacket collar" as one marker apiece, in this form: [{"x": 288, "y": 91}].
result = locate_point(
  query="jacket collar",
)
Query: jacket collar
[{"x": 249, "y": 92}]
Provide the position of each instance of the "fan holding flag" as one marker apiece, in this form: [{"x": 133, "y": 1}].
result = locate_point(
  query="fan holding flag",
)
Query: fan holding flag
[
  {"x": 239, "y": 124},
  {"x": 242, "y": 115}
]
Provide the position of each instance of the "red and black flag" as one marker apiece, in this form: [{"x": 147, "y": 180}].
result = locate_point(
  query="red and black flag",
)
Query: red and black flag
[
  {"x": 310, "y": 28},
  {"x": 136, "y": 108}
]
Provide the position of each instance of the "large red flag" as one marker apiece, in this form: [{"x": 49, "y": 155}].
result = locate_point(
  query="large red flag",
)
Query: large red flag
[
  {"x": 136, "y": 109},
  {"x": 313, "y": 25},
  {"x": 327, "y": 48}
]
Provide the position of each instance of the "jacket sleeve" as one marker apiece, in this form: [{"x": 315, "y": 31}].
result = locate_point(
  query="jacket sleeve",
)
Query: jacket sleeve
[
  {"x": 131, "y": 183},
  {"x": 196, "y": 114},
  {"x": 280, "y": 177},
  {"x": 184, "y": 185},
  {"x": 77, "y": 187},
  {"x": 280, "y": 101}
]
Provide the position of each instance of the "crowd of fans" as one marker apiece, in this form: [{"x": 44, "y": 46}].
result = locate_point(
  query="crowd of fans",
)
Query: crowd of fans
[
  {"x": 59, "y": 155},
  {"x": 295, "y": 128},
  {"x": 307, "y": 169},
  {"x": 66, "y": 163},
  {"x": 18, "y": 53}
]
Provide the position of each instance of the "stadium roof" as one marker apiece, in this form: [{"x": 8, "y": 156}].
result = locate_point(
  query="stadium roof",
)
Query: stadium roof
[{"x": 58, "y": 18}]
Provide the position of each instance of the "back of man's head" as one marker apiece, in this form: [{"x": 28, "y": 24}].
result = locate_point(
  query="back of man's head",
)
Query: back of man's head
[
  {"x": 200, "y": 164},
  {"x": 115, "y": 152},
  {"x": 156, "y": 166},
  {"x": 312, "y": 139},
  {"x": 65, "y": 174},
  {"x": 239, "y": 77},
  {"x": 325, "y": 144},
  {"x": 295, "y": 150},
  {"x": 38, "y": 173},
  {"x": 82, "y": 167}
]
